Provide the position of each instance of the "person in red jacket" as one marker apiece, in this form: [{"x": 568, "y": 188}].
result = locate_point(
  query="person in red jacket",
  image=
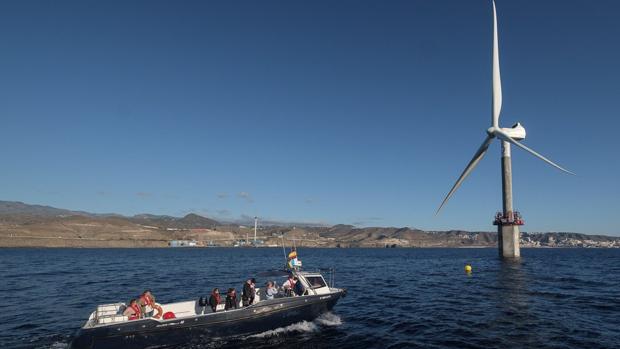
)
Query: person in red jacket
[
  {"x": 215, "y": 299},
  {"x": 133, "y": 311},
  {"x": 148, "y": 305}
]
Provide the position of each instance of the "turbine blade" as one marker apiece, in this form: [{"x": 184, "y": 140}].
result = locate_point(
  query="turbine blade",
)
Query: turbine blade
[
  {"x": 497, "y": 82},
  {"x": 470, "y": 167},
  {"x": 504, "y": 136}
]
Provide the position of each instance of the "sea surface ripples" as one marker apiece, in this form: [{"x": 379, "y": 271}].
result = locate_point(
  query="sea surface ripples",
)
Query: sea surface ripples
[{"x": 397, "y": 298}]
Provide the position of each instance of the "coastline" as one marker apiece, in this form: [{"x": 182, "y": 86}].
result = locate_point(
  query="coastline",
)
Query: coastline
[
  {"x": 23, "y": 225},
  {"x": 57, "y": 243}
]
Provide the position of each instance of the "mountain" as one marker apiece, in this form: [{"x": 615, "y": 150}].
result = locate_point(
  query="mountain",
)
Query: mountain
[
  {"x": 190, "y": 221},
  {"x": 404, "y": 236},
  {"x": 148, "y": 216},
  {"x": 194, "y": 221},
  {"x": 154, "y": 220},
  {"x": 20, "y": 208},
  {"x": 44, "y": 226},
  {"x": 15, "y": 210}
]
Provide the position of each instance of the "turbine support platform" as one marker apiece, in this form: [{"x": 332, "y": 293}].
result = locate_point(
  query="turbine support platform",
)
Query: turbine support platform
[
  {"x": 508, "y": 240},
  {"x": 511, "y": 218},
  {"x": 508, "y": 234}
]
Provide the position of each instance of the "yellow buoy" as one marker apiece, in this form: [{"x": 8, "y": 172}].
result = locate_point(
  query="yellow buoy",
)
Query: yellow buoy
[{"x": 467, "y": 268}]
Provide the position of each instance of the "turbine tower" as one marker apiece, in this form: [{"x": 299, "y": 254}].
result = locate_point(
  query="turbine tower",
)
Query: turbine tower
[{"x": 508, "y": 220}]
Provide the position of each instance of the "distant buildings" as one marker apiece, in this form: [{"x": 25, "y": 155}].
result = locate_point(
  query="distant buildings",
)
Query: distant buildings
[
  {"x": 182, "y": 243},
  {"x": 540, "y": 240},
  {"x": 251, "y": 243}
]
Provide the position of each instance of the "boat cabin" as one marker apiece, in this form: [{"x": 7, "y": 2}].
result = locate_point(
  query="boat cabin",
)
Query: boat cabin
[{"x": 314, "y": 283}]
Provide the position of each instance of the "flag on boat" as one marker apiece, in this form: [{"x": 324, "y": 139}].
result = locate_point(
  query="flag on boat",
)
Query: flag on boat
[{"x": 293, "y": 262}]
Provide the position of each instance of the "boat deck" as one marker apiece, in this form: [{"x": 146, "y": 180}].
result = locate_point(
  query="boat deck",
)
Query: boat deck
[{"x": 108, "y": 314}]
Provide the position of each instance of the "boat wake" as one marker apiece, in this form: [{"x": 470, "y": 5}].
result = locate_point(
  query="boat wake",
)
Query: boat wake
[
  {"x": 55, "y": 345},
  {"x": 327, "y": 319}
]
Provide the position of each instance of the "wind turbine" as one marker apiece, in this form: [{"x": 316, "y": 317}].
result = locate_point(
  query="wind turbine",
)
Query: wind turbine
[{"x": 508, "y": 221}]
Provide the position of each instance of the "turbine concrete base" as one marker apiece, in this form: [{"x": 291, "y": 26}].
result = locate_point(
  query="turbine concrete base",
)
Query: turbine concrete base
[
  {"x": 508, "y": 241},
  {"x": 508, "y": 235}
]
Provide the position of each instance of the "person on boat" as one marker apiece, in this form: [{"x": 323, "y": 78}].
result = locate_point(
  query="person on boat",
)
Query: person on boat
[
  {"x": 133, "y": 311},
  {"x": 299, "y": 287},
  {"x": 270, "y": 290},
  {"x": 231, "y": 299},
  {"x": 249, "y": 292},
  {"x": 288, "y": 285},
  {"x": 148, "y": 305},
  {"x": 215, "y": 299},
  {"x": 292, "y": 262}
]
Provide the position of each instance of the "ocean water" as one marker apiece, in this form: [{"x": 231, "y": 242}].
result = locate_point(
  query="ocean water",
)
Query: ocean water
[{"x": 398, "y": 298}]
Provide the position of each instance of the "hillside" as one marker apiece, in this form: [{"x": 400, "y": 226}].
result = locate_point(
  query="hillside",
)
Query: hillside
[
  {"x": 20, "y": 210},
  {"x": 8, "y": 208},
  {"x": 23, "y": 225},
  {"x": 190, "y": 221}
]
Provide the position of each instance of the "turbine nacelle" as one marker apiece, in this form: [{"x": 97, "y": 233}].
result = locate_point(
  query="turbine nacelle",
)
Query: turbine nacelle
[{"x": 516, "y": 132}]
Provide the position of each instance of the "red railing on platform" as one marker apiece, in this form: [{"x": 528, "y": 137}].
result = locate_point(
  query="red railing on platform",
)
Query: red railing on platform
[{"x": 510, "y": 218}]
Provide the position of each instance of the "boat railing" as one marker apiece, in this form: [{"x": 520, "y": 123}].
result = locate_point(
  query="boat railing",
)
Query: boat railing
[{"x": 109, "y": 313}]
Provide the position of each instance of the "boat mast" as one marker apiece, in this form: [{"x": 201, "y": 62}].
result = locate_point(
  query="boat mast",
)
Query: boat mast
[{"x": 255, "y": 225}]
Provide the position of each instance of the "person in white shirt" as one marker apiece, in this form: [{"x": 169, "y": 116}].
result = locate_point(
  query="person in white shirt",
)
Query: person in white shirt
[{"x": 270, "y": 290}]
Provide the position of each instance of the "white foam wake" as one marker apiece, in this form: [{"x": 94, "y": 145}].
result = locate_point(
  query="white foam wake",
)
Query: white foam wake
[
  {"x": 57, "y": 345},
  {"x": 327, "y": 319},
  {"x": 303, "y": 326}
]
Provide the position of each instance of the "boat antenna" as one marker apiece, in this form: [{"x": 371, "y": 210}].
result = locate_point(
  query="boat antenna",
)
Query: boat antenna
[
  {"x": 283, "y": 249},
  {"x": 255, "y": 225}
]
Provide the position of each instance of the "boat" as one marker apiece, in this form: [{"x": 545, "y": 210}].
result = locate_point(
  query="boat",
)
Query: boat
[{"x": 106, "y": 327}]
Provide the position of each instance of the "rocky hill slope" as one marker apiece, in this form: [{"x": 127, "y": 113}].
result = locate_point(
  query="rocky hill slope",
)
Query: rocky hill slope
[{"x": 23, "y": 225}]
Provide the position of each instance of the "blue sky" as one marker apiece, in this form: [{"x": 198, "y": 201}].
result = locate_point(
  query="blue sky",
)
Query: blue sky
[{"x": 338, "y": 112}]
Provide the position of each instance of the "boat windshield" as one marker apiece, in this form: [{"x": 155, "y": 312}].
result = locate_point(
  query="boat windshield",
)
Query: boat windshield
[{"x": 316, "y": 281}]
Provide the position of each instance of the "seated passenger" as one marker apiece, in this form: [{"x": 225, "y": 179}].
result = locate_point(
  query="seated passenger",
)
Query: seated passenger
[
  {"x": 148, "y": 305},
  {"x": 215, "y": 299},
  {"x": 299, "y": 288},
  {"x": 231, "y": 299},
  {"x": 133, "y": 311},
  {"x": 270, "y": 290},
  {"x": 288, "y": 286}
]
